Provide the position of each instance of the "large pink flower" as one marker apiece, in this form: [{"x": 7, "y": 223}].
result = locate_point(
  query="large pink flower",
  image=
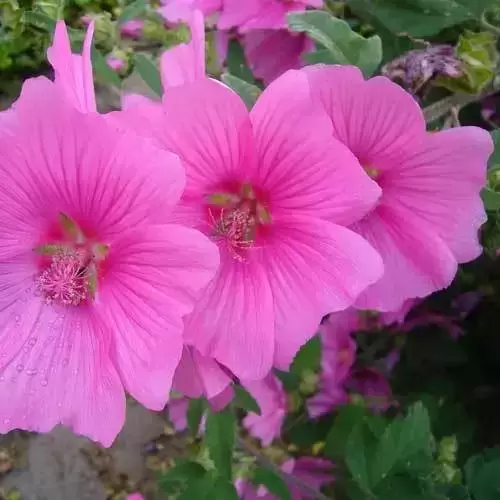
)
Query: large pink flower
[
  {"x": 260, "y": 14},
  {"x": 272, "y": 401},
  {"x": 181, "y": 10},
  {"x": 270, "y": 53},
  {"x": 428, "y": 217},
  {"x": 276, "y": 194},
  {"x": 95, "y": 281}
]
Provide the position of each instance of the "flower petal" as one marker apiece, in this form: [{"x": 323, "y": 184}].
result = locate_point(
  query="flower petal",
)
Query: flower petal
[
  {"x": 417, "y": 262},
  {"x": 303, "y": 172},
  {"x": 376, "y": 119},
  {"x": 55, "y": 369},
  {"x": 73, "y": 72},
  {"x": 440, "y": 183},
  {"x": 314, "y": 268},
  {"x": 152, "y": 281},
  {"x": 185, "y": 63},
  {"x": 234, "y": 320},
  {"x": 207, "y": 125}
]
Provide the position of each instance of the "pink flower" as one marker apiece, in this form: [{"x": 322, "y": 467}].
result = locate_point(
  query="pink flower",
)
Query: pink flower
[
  {"x": 181, "y": 10},
  {"x": 115, "y": 63},
  {"x": 272, "y": 401},
  {"x": 132, "y": 29},
  {"x": 373, "y": 387},
  {"x": 337, "y": 358},
  {"x": 177, "y": 413},
  {"x": 73, "y": 72},
  {"x": 313, "y": 472},
  {"x": 276, "y": 198},
  {"x": 260, "y": 14},
  {"x": 270, "y": 53},
  {"x": 134, "y": 496},
  {"x": 427, "y": 220},
  {"x": 96, "y": 280},
  {"x": 198, "y": 375}
]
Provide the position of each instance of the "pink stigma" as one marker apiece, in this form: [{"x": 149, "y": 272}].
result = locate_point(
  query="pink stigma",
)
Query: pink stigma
[{"x": 65, "y": 281}]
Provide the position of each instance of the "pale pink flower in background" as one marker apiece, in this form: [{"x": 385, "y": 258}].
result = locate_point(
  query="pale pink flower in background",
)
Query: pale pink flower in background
[
  {"x": 115, "y": 63},
  {"x": 276, "y": 198},
  {"x": 260, "y": 14},
  {"x": 272, "y": 401},
  {"x": 270, "y": 53},
  {"x": 96, "y": 280},
  {"x": 181, "y": 10},
  {"x": 132, "y": 29},
  {"x": 177, "y": 409},
  {"x": 428, "y": 217},
  {"x": 371, "y": 384},
  {"x": 337, "y": 358},
  {"x": 73, "y": 72},
  {"x": 134, "y": 496},
  {"x": 198, "y": 375},
  {"x": 312, "y": 471}
]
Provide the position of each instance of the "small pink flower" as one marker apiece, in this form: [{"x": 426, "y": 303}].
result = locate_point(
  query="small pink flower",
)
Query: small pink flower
[
  {"x": 198, "y": 375},
  {"x": 272, "y": 401},
  {"x": 96, "y": 280},
  {"x": 134, "y": 496},
  {"x": 270, "y": 53},
  {"x": 276, "y": 198},
  {"x": 132, "y": 29},
  {"x": 427, "y": 220},
  {"x": 177, "y": 409},
  {"x": 373, "y": 387},
  {"x": 337, "y": 359},
  {"x": 115, "y": 63},
  {"x": 260, "y": 14}
]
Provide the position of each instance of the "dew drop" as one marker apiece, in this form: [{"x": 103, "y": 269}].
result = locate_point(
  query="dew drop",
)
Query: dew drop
[
  {"x": 31, "y": 373},
  {"x": 65, "y": 362},
  {"x": 20, "y": 368},
  {"x": 6, "y": 421},
  {"x": 2, "y": 378},
  {"x": 44, "y": 383},
  {"x": 26, "y": 348},
  {"x": 32, "y": 341},
  {"x": 17, "y": 319}
]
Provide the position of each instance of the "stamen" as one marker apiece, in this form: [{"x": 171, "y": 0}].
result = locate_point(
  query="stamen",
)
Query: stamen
[{"x": 65, "y": 281}]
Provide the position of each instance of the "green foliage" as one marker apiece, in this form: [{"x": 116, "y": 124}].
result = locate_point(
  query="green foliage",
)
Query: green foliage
[
  {"x": 339, "y": 44},
  {"x": 244, "y": 400},
  {"x": 272, "y": 481},
  {"x": 491, "y": 193},
  {"x": 195, "y": 411},
  {"x": 219, "y": 439},
  {"x": 247, "y": 91},
  {"x": 133, "y": 10},
  {"x": 147, "y": 70}
]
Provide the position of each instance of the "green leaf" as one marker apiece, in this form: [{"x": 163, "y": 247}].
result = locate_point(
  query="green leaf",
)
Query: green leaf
[
  {"x": 347, "y": 419},
  {"x": 244, "y": 400},
  {"x": 223, "y": 489},
  {"x": 356, "y": 459},
  {"x": 196, "y": 408},
  {"x": 39, "y": 20},
  {"x": 494, "y": 160},
  {"x": 102, "y": 69},
  {"x": 491, "y": 199},
  {"x": 181, "y": 472},
  {"x": 248, "y": 92},
  {"x": 403, "y": 439},
  {"x": 419, "y": 18},
  {"x": 199, "y": 488},
  {"x": 133, "y": 10},
  {"x": 148, "y": 72},
  {"x": 272, "y": 481},
  {"x": 308, "y": 358},
  {"x": 219, "y": 438},
  {"x": 237, "y": 63},
  {"x": 345, "y": 45},
  {"x": 484, "y": 484},
  {"x": 52, "y": 8}
]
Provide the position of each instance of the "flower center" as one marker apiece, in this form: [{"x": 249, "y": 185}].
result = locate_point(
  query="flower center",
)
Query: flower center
[
  {"x": 236, "y": 219},
  {"x": 372, "y": 172},
  {"x": 70, "y": 275}
]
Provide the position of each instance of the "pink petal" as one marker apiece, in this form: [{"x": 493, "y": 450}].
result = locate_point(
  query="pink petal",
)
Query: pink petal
[
  {"x": 185, "y": 63},
  {"x": 417, "y": 262},
  {"x": 440, "y": 184},
  {"x": 198, "y": 375},
  {"x": 314, "y": 268},
  {"x": 73, "y": 73},
  {"x": 236, "y": 13},
  {"x": 55, "y": 369},
  {"x": 207, "y": 125},
  {"x": 270, "y": 53},
  {"x": 153, "y": 279},
  {"x": 177, "y": 413},
  {"x": 221, "y": 400},
  {"x": 233, "y": 321},
  {"x": 306, "y": 173},
  {"x": 131, "y": 100},
  {"x": 376, "y": 119}
]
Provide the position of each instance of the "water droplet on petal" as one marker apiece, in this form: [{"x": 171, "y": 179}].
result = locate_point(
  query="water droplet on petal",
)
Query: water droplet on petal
[
  {"x": 32, "y": 341},
  {"x": 6, "y": 421},
  {"x": 20, "y": 368},
  {"x": 65, "y": 362},
  {"x": 44, "y": 383},
  {"x": 31, "y": 373}
]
